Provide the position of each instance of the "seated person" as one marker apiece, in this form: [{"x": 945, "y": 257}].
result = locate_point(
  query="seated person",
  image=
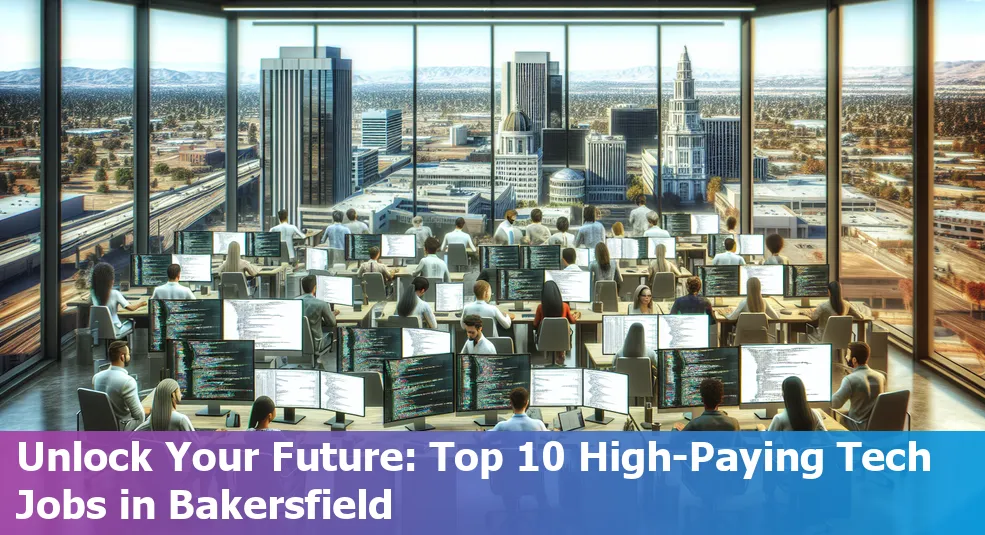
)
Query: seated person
[
  {"x": 617, "y": 230},
  {"x": 476, "y": 344},
  {"x": 321, "y": 317},
  {"x": 562, "y": 237},
  {"x": 569, "y": 260},
  {"x": 729, "y": 257},
  {"x": 712, "y": 394},
  {"x": 774, "y": 244},
  {"x": 861, "y": 387},
  {"x": 798, "y": 415},
  {"x": 235, "y": 264},
  {"x": 413, "y": 305},
  {"x": 834, "y": 306},
  {"x": 553, "y": 306},
  {"x": 642, "y": 301},
  {"x": 754, "y": 302},
  {"x": 120, "y": 387},
  {"x": 373, "y": 265},
  {"x": 173, "y": 289},
  {"x": 653, "y": 219},
  {"x": 692, "y": 303},
  {"x": 519, "y": 400},
  {"x": 660, "y": 264},
  {"x": 164, "y": 415},
  {"x": 458, "y": 236},
  {"x": 603, "y": 268},
  {"x": 634, "y": 346},
  {"x": 432, "y": 267},
  {"x": 263, "y": 412},
  {"x": 537, "y": 232},
  {"x": 102, "y": 294},
  {"x": 481, "y": 307}
]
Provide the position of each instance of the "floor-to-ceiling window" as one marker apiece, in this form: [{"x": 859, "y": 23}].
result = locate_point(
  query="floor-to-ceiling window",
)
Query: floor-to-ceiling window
[
  {"x": 20, "y": 182},
  {"x": 188, "y": 113},
  {"x": 959, "y": 183},
  {"x": 790, "y": 132},
  {"x": 877, "y": 155},
  {"x": 97, "y": 144}
]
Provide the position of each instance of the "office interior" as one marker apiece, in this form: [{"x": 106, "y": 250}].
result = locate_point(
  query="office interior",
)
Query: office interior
[{"x": 852, "y": 129}]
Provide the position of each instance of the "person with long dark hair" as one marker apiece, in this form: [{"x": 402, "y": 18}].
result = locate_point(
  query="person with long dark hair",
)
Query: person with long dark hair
[
  {"x": 411, "y": 304},
  {"x": 553, "y": 306},
  {"x": 603, "y": 268},
  {"x": 634, "y": 346},
  {"x": 836, "y": 305},
  {"x": 591, "y": 231},
  {"x": 103, "y": 294},
  {"x": 798, "y": 415},
  {"x": 263, "y": 412}
]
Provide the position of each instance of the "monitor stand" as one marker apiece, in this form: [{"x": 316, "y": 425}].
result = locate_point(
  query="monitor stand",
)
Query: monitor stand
[
  {"x": 212, "y": 408},
  {"x": 518, "y": 306},
  {"x": 599, "y": 417},
  {"x": 418, "y": 424},
  {"x": 339, "y": 422},
  {"x": 694, "y": 413},
  {"x": 766, "y": 414},
  {"x": 488, "y": 419},
  {"x": 289, "y": 417},
  {"x": 805, "y": 302}
]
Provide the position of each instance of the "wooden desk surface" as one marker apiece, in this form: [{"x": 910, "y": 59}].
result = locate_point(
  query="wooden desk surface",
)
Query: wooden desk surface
[
  {"x": 521, "y": 317},
  {"x": 348, "y": 315}
]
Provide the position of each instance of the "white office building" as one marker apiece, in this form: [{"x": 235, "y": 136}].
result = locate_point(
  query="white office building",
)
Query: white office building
[
  {"x": 684, "y": 163},
  {"x": 518, "y": 161},
  {"x": 365, "y": 167},
  {"x": 381, "y": 130},
  {"x": 605, "y": 169},
  {"x": 458, "y": 135},
  {"x": 567, "y": 187}
]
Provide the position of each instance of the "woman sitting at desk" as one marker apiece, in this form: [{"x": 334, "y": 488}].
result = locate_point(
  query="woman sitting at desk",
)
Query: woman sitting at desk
[
  {"x": 235, "y": 264},
  {"x": 552, "y": 306},
  {"x": 103, "y": 294},
  {"x": 635, "y": 347},
  {"x": 661, "y": 265},
  {"x": 164, "y": 415},
  {"x": 263, "y": 412},
  {"x": 834, "y": 306},
  {"x": 642, "y": 301},
  {"x": 798, "y": 415},
  {"x": 754, "y": 301},
  {"x": 603, "y": 268},
  {"x": 411, "y": 304}
]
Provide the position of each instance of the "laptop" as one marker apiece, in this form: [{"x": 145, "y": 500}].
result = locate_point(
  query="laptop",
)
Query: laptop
[{"x": 572, "y": 420}]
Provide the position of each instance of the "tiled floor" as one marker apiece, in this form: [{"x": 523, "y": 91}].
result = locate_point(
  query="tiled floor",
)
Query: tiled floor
[{"x": 49, "y": 401}]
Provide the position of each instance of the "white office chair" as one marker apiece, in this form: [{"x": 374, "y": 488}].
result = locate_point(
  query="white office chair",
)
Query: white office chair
[
  {"x": 838, "y": 333},
  {"x": 751, "y": 328},
  {"x": 103, "y": 331},
  {"x": 503, "y": 344}
]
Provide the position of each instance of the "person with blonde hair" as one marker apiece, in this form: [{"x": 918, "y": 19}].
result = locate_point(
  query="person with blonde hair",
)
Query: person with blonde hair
[
  {"x": 660, "y": 264},
  {"x": 617, "y": 230},
  {"x": 164, "y": 415},
  {"x": 234, "y": 263},
  {"x": 754, "y": 301},
  {"x": 420, "y": 231}
]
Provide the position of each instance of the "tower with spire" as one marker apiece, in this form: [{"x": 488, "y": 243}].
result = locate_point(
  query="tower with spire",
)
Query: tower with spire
[{"x": 684, "y": 156}]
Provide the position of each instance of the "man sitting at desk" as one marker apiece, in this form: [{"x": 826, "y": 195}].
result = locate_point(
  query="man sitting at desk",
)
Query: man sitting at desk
[
  {"x": 712, "y": 393},
  {"x": 861, "y": 387},
  {"x": 335, "y": 233},
  {"x": 432, "y": 267},
  {"x": 483, "y": 309},
  {"x": 458, "y": 236},
  {"x": 476, "y": 344},
  {"x": 321, "y": 317},
  {"x": 287, "y": 233},
  {"x": 121, "y": 389},
  {"x": 728, "y": 258},
  {"x": 172, "y": 289},
  {"x": 569, "y": 260},
  {"x": 655, "y": 231},
  {"x": 354, "y": 225},
  {"x": 519, "y": 399},
  {"x": 373, "y": 265}
]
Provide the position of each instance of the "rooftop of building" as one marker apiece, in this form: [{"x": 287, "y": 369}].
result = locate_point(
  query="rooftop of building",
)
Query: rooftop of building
[
  {"x": 970, "y": 215},
  {"x": 380, "y": 114},
  {"x": 516, "y": 121},
  {"x": 568, "y": 174},
  {"x": 13, "y": 205}
]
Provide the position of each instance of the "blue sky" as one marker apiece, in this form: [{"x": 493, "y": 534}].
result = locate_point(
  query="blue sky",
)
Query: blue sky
[{"x": 98, "y": 34}]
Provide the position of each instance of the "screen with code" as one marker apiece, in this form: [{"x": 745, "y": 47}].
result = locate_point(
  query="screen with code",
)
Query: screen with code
[
  {"x": 764, "y": 367},
  {"x": 360, "y": 349},
  {"x": 485, "y": 381},
  {"x": 193, "y": 242},
  {"x": 520, "y": 284},
  {"x": 678, "y": 224},
  {"x": 418, "y": 387},
  {"x": 289, "y": 388},
  {"x": 213, "y": 370},
  {"x": 682, "y": 331},
  {"x": 807, "y": 281},
  {"x": 221, "y": 241},
  {"x": 681, "y": 371},
  {"x": 542, "y": 257},
  {"x": 575, "y": 286},
  {"x": 719, "y": 281},
  {"x": 499, "y": 256},
  {"x": 626, "y": 248},
  {"x": 419, "y": 342},
  {"x": 274, "y": 324},
  {"x": 607, "y": 391},
  {"x": 555, "y": 387},
  {"x": 183, "y": 320},
  {"x": 263, "y": 244},
  {"x": 357, "y": 245},
  {"x": 343, "y": 393}
]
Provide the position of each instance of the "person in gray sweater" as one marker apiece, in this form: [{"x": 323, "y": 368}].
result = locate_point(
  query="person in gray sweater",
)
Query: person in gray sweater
[
  {"x": 537, "y": 233},
  {"x": 712, "y": 394},
  {"x": 861, "y": 387}
]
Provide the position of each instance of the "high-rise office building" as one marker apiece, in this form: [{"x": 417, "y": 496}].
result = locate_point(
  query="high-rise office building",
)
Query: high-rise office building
[
  {"x": 605, "y": 169},
  {"x": 518, "y": 162},
  {"x": 723, "y": 143},
  {"x": 365, "y": 167},
  {"x": 684, "y": 171},
  {"x": 760, "y": 167},
  {"x": 458, "y": 135},
  {"x": 306, "y": 131},
  {"x": 381, "y": 130},
  {"x": 639, "y": 126},
  {"x": 532, "y": 84}
]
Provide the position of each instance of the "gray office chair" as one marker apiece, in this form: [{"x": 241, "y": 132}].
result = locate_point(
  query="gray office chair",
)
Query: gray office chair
[
  {"x": 489, "y": 326},
  {"x": 400, "y": 321},
  {"x": 751, "y": 328},
  {"x": 607, "y": 293},
  {"x": 373, "y": 286},
  {"x": 285, "y": 254},
  {"x": 469, "y": 281},
  {"x": 888, "y": 414},
  {"x": 373, "y": 392},
  {"x": 663, "y": 286},
  {"x": 312, "y": 351},
  {"x": 233, "y": 286},
  {"x": 458, "y": 258},
  {"x": 554, "y": 336},
  {"x": 640, "y": 376},
  {"x": 97, "y": 413},
  {"x": 103, "y": 330},
  {"x": 432, "y": 292},
  {"x": 503, "y": 344}
]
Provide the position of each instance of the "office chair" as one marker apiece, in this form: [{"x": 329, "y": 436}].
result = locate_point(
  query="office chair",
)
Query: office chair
[
  {"x": 663, "y": 286},
  {"x": 373, "y": 393},
  {"x": 400, "y": 321},
  {"x": 489, "y": 326},
  {"x": 606, "y": 292},
  {"x": 102, "y": 329},
  {"x": 751, "y": 328},
  {"x": 432, "y": 292},
  {"x": 837, "y": 332},
  {"x": 97, "y": 413},
  {"x": 233, "y": 286},
  {"x": 554, "y": 337},
  {"x": 503, "y": 344},
  {"x": 310, "y": 350},
  {"x": 888, "y": 414},
  {"x": 469, "y": 281},
  {"x": 640, "y": 376},
  {"x": 878, "y": 340},
  {"x": 457, "y": 257},
  {"x": 373, "y": 286}
]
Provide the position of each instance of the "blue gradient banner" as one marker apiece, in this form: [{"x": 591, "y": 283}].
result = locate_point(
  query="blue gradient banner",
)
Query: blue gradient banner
[{"x": 478, "y": 483}]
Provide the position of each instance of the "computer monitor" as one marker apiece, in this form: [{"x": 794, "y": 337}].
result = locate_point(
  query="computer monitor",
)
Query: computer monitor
[
  {"x": 360, "y": 349},
  {"x": 680, "y": 372},
  {"x": 263, "y": 244},
  {"x": 152, "y": 269},
  {"x": 499, "y": 256},
  {"x": 193, "y": 242},
  {"x": 678, "y": 224},
  {"x": 764, "y": 367},
  {"x": 399, "y": 246},
  {"x": 704, "y": 224},
  {"x": 289, "y": 389},
  {"x": 357, "y": 245},
  {"x": 770, "y": 278},
  {"x": 626, "y": 248},
  {"x": 213, "y": 371},
  {"x": 484, "y": 383},
  {"x": 585, "y": 257},
  {"x": 575, "y": 286},
  {"x": 716, "y": 244},
  {"x": 194, "y": 267},
  {"x": 682, "y": 331},
  {"x": 751, "y": 244},
  {"x": 421, "y": 342},
  {"x": 199, "y": 319},
  {"x": 449, "y": 297},
  {"x": 807, "y": 281},
  {"x": 605, "y": 391},
  {"x": 221, "y": 241},
  {"x": 520, "y": 284},
  {"x": 275, "y": 324},
  {"x": 615, "y": 328},
  {"x": 556, "y": 387},
  {"x": 542, "y": 257},
  {"x": 719, "y": 281},
  {"x": 343, "y": 394},
  {"x": 669, "y": 243},
  {"x": 334, "y": 290},
  {"x": 316, "y": 259},
  {"x": 415, "y": 388}
]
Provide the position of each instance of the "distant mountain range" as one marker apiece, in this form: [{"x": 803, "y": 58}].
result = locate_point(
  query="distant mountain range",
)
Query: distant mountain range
[{"x": 952, "y": 73}]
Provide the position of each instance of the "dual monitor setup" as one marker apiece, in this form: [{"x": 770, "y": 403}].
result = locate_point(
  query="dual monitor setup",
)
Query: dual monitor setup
[
  {"x": 357, "y": 246},
  {"x": 803, "y": 281},
  {"x": 257, "y": 244}
]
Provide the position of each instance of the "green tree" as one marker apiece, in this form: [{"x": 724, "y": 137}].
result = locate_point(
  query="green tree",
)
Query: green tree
[
  {"x": 198, "y": 126},
  {"x": 112, "y": 143},
  {"x": 32, "y": 172},
  {"x": 103, "y": 188},
  {"x": 100, "y": 175},
  {"x": 714, "y": 186},
  {"x": 123, "y": 175},
  {"x": 182, "y": 174},
  {"x": 161, "y": 168},
  {"x": 253, "y": 134},
  {"x": 86, "y": 157},
  {"x": 104, "y": 163},
  {"x": 208, "y": 133}
]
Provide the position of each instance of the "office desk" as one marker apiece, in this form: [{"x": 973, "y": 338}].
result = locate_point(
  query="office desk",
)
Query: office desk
[
  {"x": 361, "y": 317},
  {"x": 596, "y": 358},
  {"x": 311, "y": 237},
  {"x": 455, "y": 276}
]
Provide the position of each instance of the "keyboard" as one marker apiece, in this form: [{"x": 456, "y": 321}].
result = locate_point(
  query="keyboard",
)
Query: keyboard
[
  {"x": 724, "y": 311},
  {"x": 528, "y": 315}
]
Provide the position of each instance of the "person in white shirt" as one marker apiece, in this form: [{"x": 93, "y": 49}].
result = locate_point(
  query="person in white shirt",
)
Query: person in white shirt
[
  {"x": 519, "y": 399},
  {"x": 569, "y": 260},
  {"x": 420, "y": 231},
  {"x": 120, "y": 387},
  {"x": 537, "y": 233},
  {"x": 754, "y": 301},
  {"x": 173, "y": 289},
  {"x": 638, "y": 217},
  {"x": 481, "y": 307},
  {"x": 476, "y": 344},
  {"x": 164, "y": 415},
  {"x": 728, "y": 258},
  {"x": 287, "y": 232},
  {"x": 562, "y": 237},
  {"x": 103, "y": 294},
  {"x": 431, "y": 266},
  {"x": 655, "y": 231},
  {"x": 411, "y": 304},
  {"x": 458, "y": 236},
  {"x": 505, "y": 233},
  {"x": 354, "y": 225}
]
